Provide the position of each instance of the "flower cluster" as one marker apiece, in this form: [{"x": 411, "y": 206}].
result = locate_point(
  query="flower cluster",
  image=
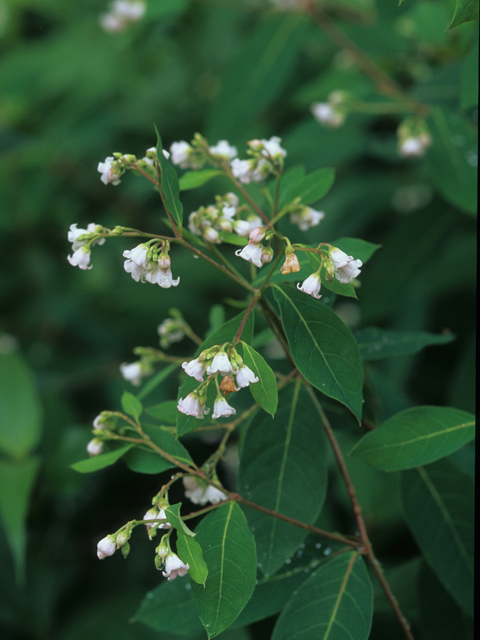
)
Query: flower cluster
[
  {"x": 338, "y": 265},
  {"x": 197, "y": 154},
  {"x": 171, "y": 330},
  {"x": 254, "y": 251},
  {"x": 209, "y": 221},
  {"x": 333, "y": 112},
  {"x": 267, "y": 158},
  {"x": 305, "y": 217},
  {"x": 154, "y": 514},
  {"x": 413, "y": 138},
  {"x": 115, "y": 166},
  {"x": 121, "y": 14},
  {"x": 200, "y": 492},
  {"x": 146, "y": 264},
  {"x": 108, "y": 545},
  {"x": 82, "y": 241}
]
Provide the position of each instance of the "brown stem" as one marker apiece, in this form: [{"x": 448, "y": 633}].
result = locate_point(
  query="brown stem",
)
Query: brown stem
[{"x": 250, "y": 308}]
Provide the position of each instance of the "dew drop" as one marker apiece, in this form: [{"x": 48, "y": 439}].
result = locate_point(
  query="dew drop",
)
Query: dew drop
[
  {"x": 288, "y": 561},
  {"x": 327, "y": 551},
  {"x": 188, "y": 586},
  {"x": 318, "y": 545}
]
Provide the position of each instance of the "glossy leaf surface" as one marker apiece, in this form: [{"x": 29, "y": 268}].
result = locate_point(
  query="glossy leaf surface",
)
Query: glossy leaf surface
[
  {"x": 265, "y": 391},
  {"x": 375, "y": 344},
  {"x": 101, "y": 461}
]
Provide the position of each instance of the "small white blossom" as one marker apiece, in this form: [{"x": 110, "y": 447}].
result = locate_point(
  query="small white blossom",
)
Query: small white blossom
[
  {"x": 132, "y": 372},
  {"x": 411, "y": 147},
  {"x": 110, "y": 174},
  {"x": 136, "y": 271},
  {"x": 272, "y": 148},
  {"x": 251, "y": 253},
  {"x": 220, "y": 364},
  {"x": 311, "y": 286},
  {"x": 95, "y": 447},
  {"x": 161, "y": 277},
  {"x": 241, "y": 169},
  {"x": 80, "y": 258},
  {"x": 257, "y": 235},
  {"x": 199, "y": 492},
  {"x": 170, "y": 331},
  {"x": 180, "y": 152},
  {"x": 131, "y": 9},
  {"x": 346, "y": 268},
  {"x": 326, "y": 114},
  {"x": 195, "y": 369},
  {"x": 221, "y": 408},
  {"x": 154, "y": 514},
  {"x": 228, "y": 212},
  {"x": 306, "y": 218},
  {"x": 223, "y": 149},
  {"x": 138, "y": 255},
  {"x": 174, "y": 567},
  {"x": 75, "y": 233},
  {"x": 192, "y": 406},
  {"x": 245, "y": 376},
  {"x": 232, "y": 199},
  {"x": 106, "y": 547},
  {"x": 211, "y": 235}
]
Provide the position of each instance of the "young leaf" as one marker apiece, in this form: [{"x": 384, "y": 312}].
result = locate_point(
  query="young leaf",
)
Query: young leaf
[
  {"x": 465, "y": 11},
  {"x": 356, "y": 247},
  {"x": 169, "y": 185},
  {"x": 264, "y": 391},
  {"x": 229, "y": 550},
  {"x": 438, "y": 502},
  {"x": 322, "y": 346},
  {"x": 100, "y": 462},
  {"x": 336, "y": 602},
  {"x": 165, "y": 411},
  {"x": 191, "y": 552},
  {"x": 375, "y": 344},
  {"x": 283, "y": 467},
  {"x": 194, "y": 179},
  {"x": 415, "y": 437},
  {"x": 173, "y": 514},
  {"x": 312, "y": 187},
  {"x": 131, "y": 405}
]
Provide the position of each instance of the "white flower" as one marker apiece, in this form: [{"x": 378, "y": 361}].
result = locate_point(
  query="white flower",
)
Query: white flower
[
  {"x": 195, "y": 369},
  {"x": 95, "y": 447},
  {"x": 138, "y": 255},
  {"x": 132, "y": 372},
  {"x": 109, "y": 173},
  {"x": 211, "y": 235},
  {"x": 260, "y": 170},
  {"x": 228, "y": 212},
  {"x": 257, "y": 235},
  {"x": 214, "y": 495},
  {"x": 311, "y": 286},
  {"x": 251, "y": 253},
  {"x": 131, "y": 9},
  {"x": 241, "y": 169},
  {"x": 161, "y": 277},
  {"x": 174, "y": 567},
  {"x": 232, "y": 199},
  {"x": 221, "y": 408},
  {"x": 245, "y": 376},
  {"x": 199, "y": 492},
  {"x": 75, "y": 233},
  {"x": 80, "y": 258},
  {"x": 346, "y": 268},
  {"x": 223, "y": 149},
  {"x": 154, "y": 514},
  {"x": 104, "y": 420},
  {"x": 306, "y": 218},
  {"x": 170, "y": 331},
  {"x": 272, "y": 148},
  {"x": 112, "y": 23},
  {"x": 180, "y": 152},
  {"x": 138, "y": 273},
  {"x": 106, "y": 547},
  {"x": 220, "y": 364},
  {"x": 242, "y": 227},
  {"x": 192, "y": 406},
  {"x": 411, "y": 147},
  {"x": 326, "y": 114}
]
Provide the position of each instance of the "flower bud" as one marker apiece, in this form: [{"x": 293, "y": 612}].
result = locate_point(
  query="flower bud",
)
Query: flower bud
[
  {"x": 257, "y": 235},
  {"x": 95, "y": 447},
  {"x": 122, "y": 539},
  {"x": 106, "y": 547},
  {"x": 267, "y": 255},
  {"x": 125, "y": 549}
]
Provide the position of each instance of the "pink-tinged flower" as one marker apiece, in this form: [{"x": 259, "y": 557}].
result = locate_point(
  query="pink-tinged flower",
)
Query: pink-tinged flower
[
  {"x": 221, "y": 408},
  {"x": 161, "y": 277},
  {"x": 251, "y": 253},
  {"x": 180, "y": 153},
  {"x": 220, "y": 364},
  {"x": 199, "y": 492},
  {"x": 138, "y": 255},
  {"x": 346, "y": 268},
  {"x": 195, "y": 369},
  {"x": 245, "y": 376},
  {"x": 311, "y": 286},
  {"x": 193, "y": 406},
  {"x": 174, "y": 567},
  {"x": 224, "y": 150},
  {"x": 80, "y": 258},
  {"x": 132, "y": 372},
  {"x": 241, "y": 170},
  {"x": 106, "y": 547},
  {"x": 110, "y": 174},
  {"x": 257, "y": 235},
  {"x": 95, "y": 447},
  {"x": 211, "y": 235}
]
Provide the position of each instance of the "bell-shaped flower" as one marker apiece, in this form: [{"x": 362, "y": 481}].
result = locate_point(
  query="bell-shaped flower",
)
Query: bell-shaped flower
[
  {"x": 291, "y": 264},
  {"x": 241, "y": 170},
  {"x": 195, "y": 369},
  {"x": 137, "y": 272},
  {"x": 174, "y": 567},
  {"x": 106, "y": 547},
  {"x": 138, "y": 255},
  {"x": 110, "y": 174},
  {"x": 133, "y": 372},
  {"x": 224, "y": 150},
  {"x": 221, "y": 408},
  {"x": 306, "y": 217},
  {"x": 193, "y": 405},
  {"x": 161, "y": 277},
  {"x": 346, "y": 268},
  {"x": 311, "y": 286},
  {"x": 75, "y": 233},
  {"x": 199, "y": 492},
  {"x": 80, "y": 258},
  {"x": 95, "y": 447},
  {"x": 220, "y": 364},
  {"x": 232, "y": 199},
  {"x": 251, "y": 253},
  {"x": 257, "y": 235},
  {"x": 245, "y": 376},
  {"x": 155, "y": 514}
]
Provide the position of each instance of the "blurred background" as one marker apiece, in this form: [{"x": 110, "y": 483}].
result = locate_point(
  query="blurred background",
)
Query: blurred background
[{"x": 76, "y": 87}]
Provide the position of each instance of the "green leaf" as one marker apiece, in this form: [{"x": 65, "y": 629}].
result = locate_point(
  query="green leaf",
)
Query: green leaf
[
  {"x": 100, "y": 462},
  {"x": 173, "y": 514},
  {"x": 165, "y": 7},
  {"x": 375, "y": 344},
  {"x": 20, "y": 409},
  {"x": 415, "y": 437},
  {"x": 16, "y": 483},
  {"x": 283, "y": 465},
  {"x": 356, "y": 247},
  {"x": 265, "y": 391},
  {"x": 438, "y": 502},
  {"x": 191, "y": 552},
  {"x": 469, "y": 79},
  {"x": 194, "y": 179},
  {"x": 169, "y": 185},
  {"x": 226, "y": 333},
  {"x": 336, "y": 602},
  {"x": 229, "y": 551},
  {"x": 312, "y": 187},
  {"x": 169, "y": 608},
  {"x": 165, "y": 411},
  {"x": 289, "y": 179},
  {"x": 131, "y": 405},
  {"x": 322, "y": 347},
  {"x": 165, "y": 439},
  {"x": 452, "y": 159},
  {"x": 465, "y": 11}
]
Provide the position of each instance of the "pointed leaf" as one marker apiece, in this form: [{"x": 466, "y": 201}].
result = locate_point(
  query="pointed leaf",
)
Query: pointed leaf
[
  {"x": 169, "y": 185},
  {"x": 229, "y": 551},
  {"x": 194, "y": 179},
  {"x": 131, "y": 405},
  {"x": 465, "y": 11},
  {"x": 100, "y": 462},
  {"x": 173, "y": 514},
  {"x": 265, "y": 391},
  {"x": 312, "y": 187},
  {"x": 375, "y": 344},
  {"x": 336, "y": 602},
  {"x": 283, "y": 465},
  {"x": 165, "y": 411},
  {"x": 322, "y": 346},
  {"x": 415, "y": 437},
  {"x": 438, "y": 502},
  {"x": 191, "y": 552}
]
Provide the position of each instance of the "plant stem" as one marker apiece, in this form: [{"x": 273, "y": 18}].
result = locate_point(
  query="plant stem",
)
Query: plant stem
[{"x": 250, "y": 308}]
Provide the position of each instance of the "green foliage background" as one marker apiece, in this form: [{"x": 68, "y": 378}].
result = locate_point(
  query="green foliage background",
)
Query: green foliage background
[{"x": 71, "y": 95}]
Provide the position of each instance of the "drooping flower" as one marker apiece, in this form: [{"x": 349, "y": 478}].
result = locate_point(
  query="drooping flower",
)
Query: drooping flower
[
  {"x": 200, "y": 492},
  {"x": 106, "y": 547},
  {"x": 224, "y": 150},
  {"x": 245, "y": 376},
  {"x": 311, "y": 286},
  {"x": 133, "y": 372},
  {"x": 95, "y": 447},
  {"x": 80, "y": 258},
  {"x": 346, "y": 268},
  {"x": 195, "y": 369},
  {"x": 193, "y": 405},
  {"x": 251, "y": 253},
  {"x": 291, "y": 264},
  {"x": 170, "y": 331},
  {"x": 174, "y": 567},
  {"x": 110, "y": 173},
  {"x": 161, "y": 277},
  {"x": 220, "y": 364},
  {"x": 221, "y": 408},
  {"x": 155, "y": 514},
  {"x": 75, "y": 233},
  {"x": 257, "y": 235},
  {"x": 306, "y": 217},
  {"x": 138, "y": 255}
]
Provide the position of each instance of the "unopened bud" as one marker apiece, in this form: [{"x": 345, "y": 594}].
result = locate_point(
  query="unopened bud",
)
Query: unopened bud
[
  {"x": 122, "y": 539},
  {"x": 267, "y": 255},
  {"x": 125, "y": 549}
]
